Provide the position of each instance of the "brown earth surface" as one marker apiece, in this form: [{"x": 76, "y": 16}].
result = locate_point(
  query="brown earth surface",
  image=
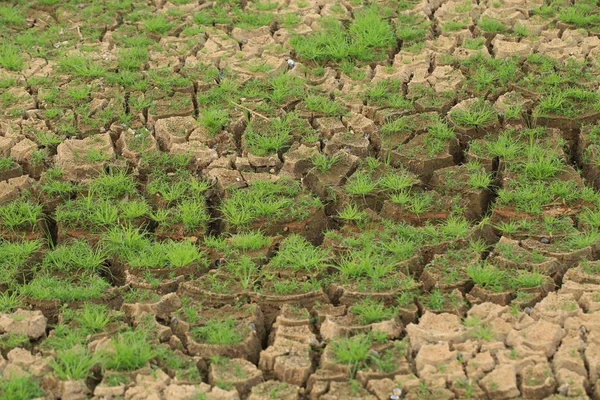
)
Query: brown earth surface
[{"x": 299, "y": 199}]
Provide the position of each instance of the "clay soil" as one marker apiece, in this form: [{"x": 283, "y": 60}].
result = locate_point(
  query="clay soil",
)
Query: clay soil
[{"x": 299, "y": 199}]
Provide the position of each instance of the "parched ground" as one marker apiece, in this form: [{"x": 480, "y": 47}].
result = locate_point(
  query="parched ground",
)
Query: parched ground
[{"x": 299, "y": 199}]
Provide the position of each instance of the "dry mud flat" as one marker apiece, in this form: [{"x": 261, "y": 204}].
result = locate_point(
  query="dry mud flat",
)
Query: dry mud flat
[{"x": 299, "y": 200}]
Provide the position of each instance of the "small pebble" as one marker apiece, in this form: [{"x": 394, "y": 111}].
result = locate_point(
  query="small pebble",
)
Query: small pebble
[
  {"x": 221, "y": 262},
  {"x": 394, "y": 397},
  {"x": 527, "y": 310},
  {"x": 252, "y": 326},
  {"x": 397, "y": 392},
  {"x": 564, "y": 389},
  {"x": 544, "y": 240},
  {"x": 291, "y": 63}
]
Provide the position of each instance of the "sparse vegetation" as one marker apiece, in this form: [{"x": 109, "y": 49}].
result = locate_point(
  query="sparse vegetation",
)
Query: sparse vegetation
[{"x": 183, "y": 183}]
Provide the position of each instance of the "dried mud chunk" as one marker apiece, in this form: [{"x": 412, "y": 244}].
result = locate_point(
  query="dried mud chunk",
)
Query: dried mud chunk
[
  {"x": 505, "y": 49},
  {"x": 10, "y": 129},
  {"x": 162, "y": 308},
  {"x": 424, "y": 392},
  {"x": 464, "y": 389},
  {"x": 22, "y": 322},
  {"x": 407, "y": 62},
  {"x": 578, "y": 290},
  {"x": 345, "y": 390},
  {"x": 468, "y": 132},
  {"x": 220, "y": 394},
  {"x": 273, "y": 389},
  {"x": 446, "y": 78},
  {"x": 569, "y": 257},
  {"x": 556, "y": 307},
  {"x": 6, "y": 145},
  {"x": 467, "y": 350},
  {"x": 360, "y": 124},
  {"x": 226, "y": 179},
  {"x": 437, "y": 365},
  {"x": 487, "y": 311},
  {"x": 251, "y": 334},
  {"x": 418, "y": 160},
  {"x": 184, "y": 392},
  {"x": 538, "y": 381},
  {"x": 223, "y": 141},
  {"x": 170, "y": 131},
  {"x": 17, "y": 101},
  {"x": 242, "y": 164},
  {"x": 568, "y": 356},
  {"x": 579, "y": 274},
  {"x": 547, "y": 265},
  {"x": 252, "y": 178},
  {"x": 519, "y": 357},
  {"x": 318, "y": 182},
  {"x": 592, "y": 358},
  {"x": 298, "y": 161},
  {"x": 86, "y": 158},
  {"x": 433, "y": 328},
  {"x": 480, "y": 365},
  {"x": 351, "y": 142},
  {"x": 463, "y": 54},
  {"x": 177, "y": 105},
  {"x": 109, "y": 392},
  {"x": 21, "y": 361},
  {"x": 237, "y": 373},
  {"x": 334, "y": 327},
  {"x": 442, "y": 45},
  {"x": 513, "y": 99},
  {"x": 438, "y": 210},
  {"x": 589, "y": 300},
  {"x": 147, "y": 389},
  {"x": 501, "y": 383},
  {"x": 8, "y": 193},
  {"x": 74, "y": 390},
  {"x": 225, "y": 162},
  {"x": 419, "y": 78},
  {"x": 570, "y": 383},
  {"x": 382, "y": 388},
  {"x": 478, "y": 295},
  {"x": 329, "y": 126},
  {"x": 542, "y": 336},
  {"x": 560, "y": 50},
  {"x": 203, "y": 155},
  {"x": 288, "y": 360},
  {"x": 241, "y": 35},
  {"x": 131, "y": 145},
  {"x": 264, "y": 164},
  {"x": 574, "y": 36},
  {"x": 299, "y": 333},
  {"x": 21, "y": 151},
  {"x": 384, "y": 72}
]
